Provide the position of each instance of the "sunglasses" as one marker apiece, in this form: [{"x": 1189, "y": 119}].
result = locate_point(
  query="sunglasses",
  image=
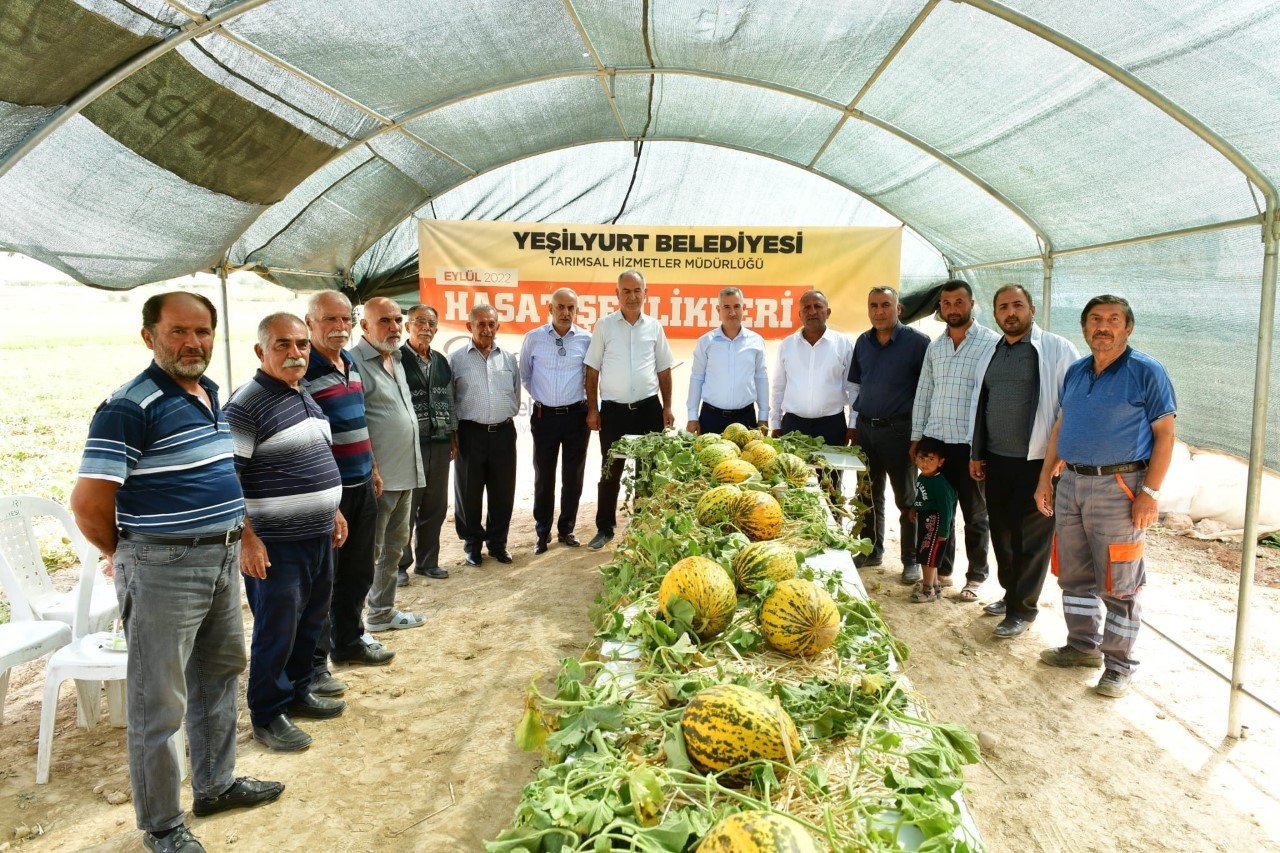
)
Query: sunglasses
[{"x": 560, "y": 345}]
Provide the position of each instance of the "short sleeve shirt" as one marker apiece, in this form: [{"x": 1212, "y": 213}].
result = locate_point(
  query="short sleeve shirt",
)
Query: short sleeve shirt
[
  {"x": 629, "y": 357},
  {"x": 1107, "y": 418}
]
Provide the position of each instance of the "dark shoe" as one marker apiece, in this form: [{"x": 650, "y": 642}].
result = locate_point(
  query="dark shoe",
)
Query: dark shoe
[
  {"x": 995, "y": 608},
  {"x": 473, "y": 557},
  {"x": 317, "y": 707},
  {"x": 1113, "y": 684},
  {"x": 1071, "y": 656},
  {"x": 365, "y": 652},
  {"x": 282, "y": 736},
  {"x": 402, "y": 577},
  {"x": 502, "y": 555},
  {"x": 911, "y": 573},
  {"x": 603, "y": 537},
  {"x": 568, "y": 539},
  {"x": 179, "y": 841},
  {"x": 540, "y": 547},
  {"x": 325, "y": 684},
  {"x": 1010, "y": 626},
  {"x": 243, "y": 793},
  {"x": 433, "y": 572},
  {"x": 868, "y": 560}
]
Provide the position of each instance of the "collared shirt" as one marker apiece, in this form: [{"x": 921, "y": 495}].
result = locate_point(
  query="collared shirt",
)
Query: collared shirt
[
  {"x": 811, "y": 380},
  {"x": 945, "y": 394},
  {"x": 1012, "y": 388},
  {"x": 487, "y": 389},
  {"x": 886, "y": 374},
  {"x": 629, "y": 357},
  {"x": 729, "y": 373},
  {"x": 172, "y": 457},
  {"x": 291, "y": 484},
  {"x": 393, "y": 426},
  {"x": 551, "y": 365},
  {"x": 431, "y": 386},
  {"x": 341, "y": 395},
  {"x": 1107, "y": 418},
  {"x": 1054, "y": 354}
]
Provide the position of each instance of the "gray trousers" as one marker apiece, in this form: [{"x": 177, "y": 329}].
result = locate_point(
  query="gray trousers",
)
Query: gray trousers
[
  {"x": 181, "y": 612},
  {"x": 1098, "y": 557},
  {"x": 430, "y": 505},
  {"x": 390, "y": 535}
]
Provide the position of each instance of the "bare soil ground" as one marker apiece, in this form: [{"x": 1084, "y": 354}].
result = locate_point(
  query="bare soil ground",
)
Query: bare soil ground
[{"x": 424, "y": 757}]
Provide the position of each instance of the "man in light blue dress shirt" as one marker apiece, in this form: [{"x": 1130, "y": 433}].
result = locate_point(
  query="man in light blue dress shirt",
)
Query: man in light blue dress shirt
[
  {"x": 730, "y": 383},
  {"x": 551, "y": 370}
]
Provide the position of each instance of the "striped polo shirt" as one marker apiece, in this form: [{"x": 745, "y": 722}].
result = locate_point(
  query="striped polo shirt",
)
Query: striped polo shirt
[
  {"x": 341, "y": 397},
  {"x": 291, "y": 483},
  {"x": 172, "y": 457}
]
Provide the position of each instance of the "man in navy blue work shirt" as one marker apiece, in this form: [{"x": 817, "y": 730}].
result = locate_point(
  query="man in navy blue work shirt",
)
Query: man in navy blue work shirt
[
  {"x": 886, "y": 367},
  {"x": 552, "y": 371},
  {"x": 729, "y": 383},
  {"x": 1114, "y": 438},
  {"x": 158, "y": 496}
]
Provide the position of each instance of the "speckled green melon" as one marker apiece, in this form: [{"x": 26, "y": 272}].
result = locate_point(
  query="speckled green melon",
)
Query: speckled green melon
[
  {"x": 733, "y": 471},
  {"x": 757, "y": 514},
  {"x": 757, "y": 832},
  {"x": 799, "y": 618},
  {"x": 789, "y": 467},
  {"x": 753, "y": 435},
  {"x": 705, "y": 440},
  {"x": 707, "y": 586},
  {"x": 713, "y": 505},
  {"x": 727, "y": 725},
  {"x": 762, "y": 561},
  {"x": 713, "y": 454},
  {"x": 737, "y": 433}
]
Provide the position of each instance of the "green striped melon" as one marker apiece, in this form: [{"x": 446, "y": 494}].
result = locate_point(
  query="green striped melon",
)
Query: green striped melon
[
  {"x": 713, "y": 454},
  {"x": 727, "y": 725},
  {"x": 733, "y": 471},
  {"x": 713, "y": 505},
  {"x": 737, "y": 433},
  {"x": 707, "y": 586},
  {"x": 761, "y": 561},
  {"x": 759, "y": 454},
  {"x": 754, "y": 435},
  {"x": 757, "y": 514},
  {"x": 799, "y": 618},
  {"x": 789, "y": 467},
  {"x": 705, "y": 440},
  {"x": 757, "y": 832}
]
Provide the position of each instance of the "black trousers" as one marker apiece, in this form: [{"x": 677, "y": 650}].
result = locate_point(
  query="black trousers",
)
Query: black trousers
[
  {"x": 557, "y": 432},
  {"x": 428, "y": 508},
  {"x": 971, "y": 497},
  {"x": 711, "y": 419},
  {"x": 1021, "y": 536},
  {"x": 617, "y": 420},
  {"x": 833, "y": 429},
  {"x": 888, "y": 448},
  {"x": 486, "y": 464},
  {"x": 352, "y": 573}
]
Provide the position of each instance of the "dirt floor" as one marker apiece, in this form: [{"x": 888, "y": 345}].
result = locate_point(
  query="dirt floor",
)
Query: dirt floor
[{"x": 424, "y": 758}]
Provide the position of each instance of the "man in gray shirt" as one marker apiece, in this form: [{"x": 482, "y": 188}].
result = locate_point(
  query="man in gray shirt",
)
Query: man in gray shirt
[
  {"x": 486, "y": 386},
  {"x": 393, "y": 432},
  {"x": 1017, "y": 404}
]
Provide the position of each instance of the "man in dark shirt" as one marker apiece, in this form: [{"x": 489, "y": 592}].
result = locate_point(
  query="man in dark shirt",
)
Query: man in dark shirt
[{"x": 886, "y": 367}]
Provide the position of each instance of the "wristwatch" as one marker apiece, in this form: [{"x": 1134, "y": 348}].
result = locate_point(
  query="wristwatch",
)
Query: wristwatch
[{"x": 1155, "y": 493}]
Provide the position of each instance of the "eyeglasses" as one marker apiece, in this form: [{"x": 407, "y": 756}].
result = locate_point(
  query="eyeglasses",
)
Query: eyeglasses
[{"x": 560, "y": 345}]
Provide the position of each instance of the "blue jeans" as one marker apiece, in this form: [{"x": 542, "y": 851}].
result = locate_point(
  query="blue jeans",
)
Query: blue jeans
[
  {"x": 289, "y": 608},
  {"x": 181, "y": 612}
]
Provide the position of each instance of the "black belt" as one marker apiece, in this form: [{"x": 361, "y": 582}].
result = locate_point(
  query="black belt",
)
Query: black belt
[
  {"x": 638, "y": 404},
  {"x": 727, "y": 413},
  {"x": 1103, "y": 470},
  {"x": 882, "y": 422},
  {"x": 488, "y": 427},
  {"x": 228, "y": 538},
  {"x": 580, "y": 406}
]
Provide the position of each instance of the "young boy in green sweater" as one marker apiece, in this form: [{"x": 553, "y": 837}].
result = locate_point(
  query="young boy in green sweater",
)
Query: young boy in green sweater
[{"x": 933, "y": 512}]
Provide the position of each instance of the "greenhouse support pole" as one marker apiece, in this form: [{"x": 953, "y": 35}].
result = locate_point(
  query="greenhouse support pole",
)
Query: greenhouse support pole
[
  {"x": 1257, "y": 448},
  {"x": 1045, "y": 314},
  {"x": 226, "y": 326}
]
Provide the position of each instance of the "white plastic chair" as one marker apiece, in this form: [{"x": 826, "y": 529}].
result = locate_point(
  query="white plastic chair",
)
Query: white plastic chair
[
  {"x": 25, "y": 638},
  {"x": 22, "y": 570},
  {"x": 91, "y": 660}
]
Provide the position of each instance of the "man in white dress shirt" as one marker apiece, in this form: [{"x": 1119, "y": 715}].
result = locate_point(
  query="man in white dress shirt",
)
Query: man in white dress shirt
[
  {"x": 628, "y": 365},
  {"x": 810, "y": 387},
  {"x": 552, "y": 371},
  {"x": 730, "y": 383}
]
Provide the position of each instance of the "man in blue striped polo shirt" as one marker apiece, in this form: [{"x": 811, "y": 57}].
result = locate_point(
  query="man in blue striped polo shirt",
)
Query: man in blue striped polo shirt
[
  {"x": 291, "y": 492},
  {"x": 158, "y": 495}
]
